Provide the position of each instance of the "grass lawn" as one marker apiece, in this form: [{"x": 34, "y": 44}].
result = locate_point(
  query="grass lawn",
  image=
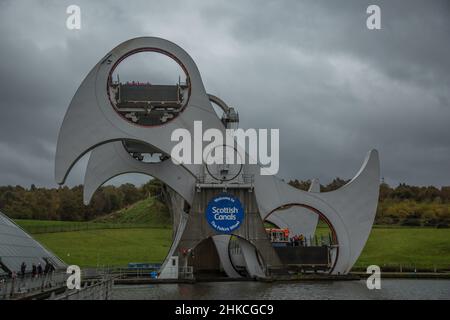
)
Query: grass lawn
[
  {"x": 109, "y": 246},
  {"x": 419, "y": 247},
  {"x": 408, "y": 246},
  {"x": 423, "y": 247}
]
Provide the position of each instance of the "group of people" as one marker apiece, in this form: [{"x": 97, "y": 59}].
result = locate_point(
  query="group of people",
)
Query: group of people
[
  {"x": 37, "y": 270},
  {"x": 297, "y": 240}
]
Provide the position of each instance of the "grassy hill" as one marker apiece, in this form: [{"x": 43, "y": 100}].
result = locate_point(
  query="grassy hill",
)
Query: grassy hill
[{"x": 149, "y": 212}]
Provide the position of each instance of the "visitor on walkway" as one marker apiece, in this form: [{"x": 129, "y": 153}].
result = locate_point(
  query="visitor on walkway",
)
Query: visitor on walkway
[
  {"x": 13, "y": 275},
  {"x": 301, "y": 238},
  {"x": 295, "y": 241},
  {"x": 23, "y": 269},
  {"x": 39, "y": 270},
  {"x": 33, "y": 271}
]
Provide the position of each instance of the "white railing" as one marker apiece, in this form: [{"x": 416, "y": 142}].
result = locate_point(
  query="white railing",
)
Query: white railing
[{"x": 186, "y": 272}]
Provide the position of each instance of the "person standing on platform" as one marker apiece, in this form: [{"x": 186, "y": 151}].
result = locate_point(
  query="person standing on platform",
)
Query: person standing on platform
[
  {"x": 23, "y": 269},
  {"x": 39, "y": 270},
  {"x": 33, "y": 271}
]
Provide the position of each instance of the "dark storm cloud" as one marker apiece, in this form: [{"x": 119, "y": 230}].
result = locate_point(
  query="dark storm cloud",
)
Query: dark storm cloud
[{"x": 310, "y": 68}]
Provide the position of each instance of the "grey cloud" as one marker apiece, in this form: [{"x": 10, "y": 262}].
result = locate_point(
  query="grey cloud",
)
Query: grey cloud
[{"x": 310, "y": 68}]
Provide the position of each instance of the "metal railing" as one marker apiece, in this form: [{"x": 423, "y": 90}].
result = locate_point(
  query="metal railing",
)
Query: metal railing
[
  {"x": 245, "y": 179},
  {"x": 85, "y": 226},
  {"x": 23, "y": 286},
  {"x": 91, "y": 290},
  {"x": 186, "y": 272},
  {"x": 120, "y": 272},
  {"x": 313, "y": 241}
]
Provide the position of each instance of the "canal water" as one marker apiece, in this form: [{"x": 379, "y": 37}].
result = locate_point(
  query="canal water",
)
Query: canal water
[{"x": 390, "y": 289}]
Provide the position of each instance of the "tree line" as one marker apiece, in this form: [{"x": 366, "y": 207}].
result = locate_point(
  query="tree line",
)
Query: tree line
[
  {"x": 401, "y": 205},
  {"x": 404, "y": 204},
  {"x": 66, "y": 203}
]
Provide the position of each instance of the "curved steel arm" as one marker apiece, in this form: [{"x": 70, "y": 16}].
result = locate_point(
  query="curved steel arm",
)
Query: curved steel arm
[
  {"x": 111, "y": 160},
  {"x": 91, "y": 119},
  {"x": 350, "y": 210}
]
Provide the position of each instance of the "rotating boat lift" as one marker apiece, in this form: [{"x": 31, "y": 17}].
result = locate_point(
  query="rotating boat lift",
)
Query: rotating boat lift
[{"x": 93, "y": 123}]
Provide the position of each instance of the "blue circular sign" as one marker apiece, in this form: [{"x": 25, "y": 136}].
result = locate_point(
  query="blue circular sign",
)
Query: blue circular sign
[{"x": 225, "y": 213}]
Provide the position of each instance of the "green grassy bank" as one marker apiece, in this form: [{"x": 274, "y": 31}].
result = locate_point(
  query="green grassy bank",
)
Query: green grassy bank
[
  {"x": 409, "y": 247},
  {"x": 109, "y": 247},
  {"x": 142, "y": 233}
]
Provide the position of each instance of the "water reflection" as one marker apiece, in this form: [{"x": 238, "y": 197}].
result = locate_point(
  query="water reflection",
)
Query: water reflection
[{"x": 390, "y": 289}]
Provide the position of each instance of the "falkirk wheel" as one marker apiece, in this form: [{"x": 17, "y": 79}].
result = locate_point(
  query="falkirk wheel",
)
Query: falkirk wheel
[{"x": 119, "y": 124}]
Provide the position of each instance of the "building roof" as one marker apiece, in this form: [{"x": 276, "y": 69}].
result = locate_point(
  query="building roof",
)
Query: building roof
[{"x": 17, "y": 246}]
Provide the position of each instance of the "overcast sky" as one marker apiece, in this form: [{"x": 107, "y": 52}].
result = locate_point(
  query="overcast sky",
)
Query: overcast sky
[{"x": 310, "y": 68}]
